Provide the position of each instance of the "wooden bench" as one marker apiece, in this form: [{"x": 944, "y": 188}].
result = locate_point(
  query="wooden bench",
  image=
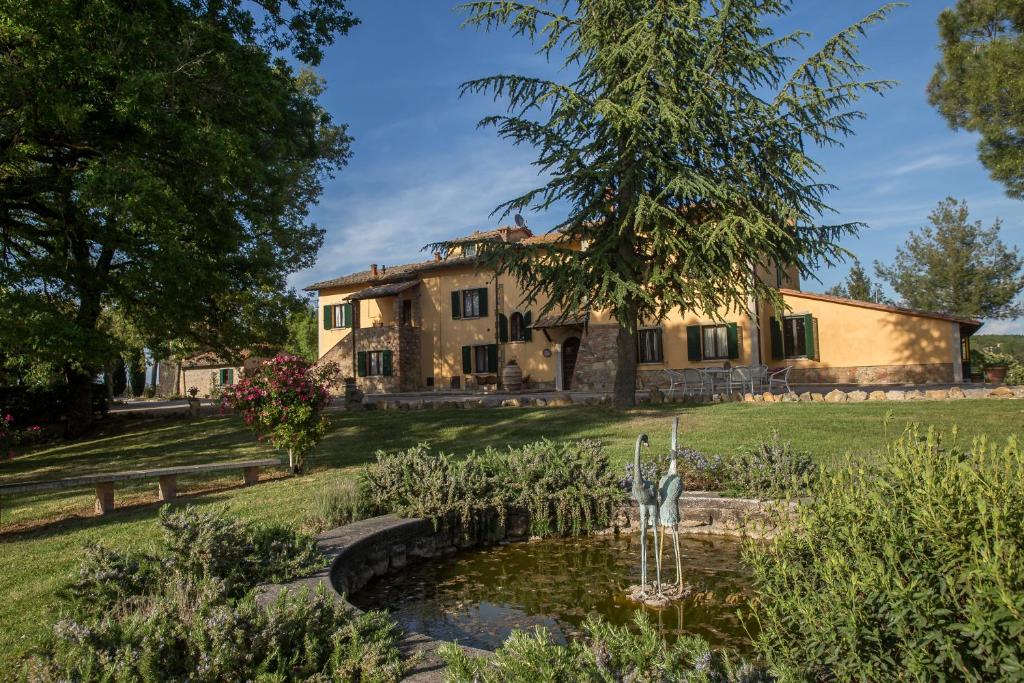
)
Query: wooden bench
[{"x": 167, "y": 480}]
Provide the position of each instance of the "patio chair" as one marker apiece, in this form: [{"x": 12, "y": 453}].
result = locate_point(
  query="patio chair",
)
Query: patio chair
[
  {"x": 760, "y": 378},
  {"x": 675, "y": 379},
  {"x": 780, "y": 378},
  {"x": 741, "y": 377},
  {"x": 694, "y": 381}
]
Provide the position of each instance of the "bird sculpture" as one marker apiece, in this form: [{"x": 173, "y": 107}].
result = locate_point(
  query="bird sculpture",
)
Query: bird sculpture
[
  {"x": 670, "y": 488},
  {"x": 644, "y": 493}
]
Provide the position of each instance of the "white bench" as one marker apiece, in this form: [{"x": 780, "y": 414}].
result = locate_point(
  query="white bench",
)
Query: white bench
[{"x": 167, "y": 480}]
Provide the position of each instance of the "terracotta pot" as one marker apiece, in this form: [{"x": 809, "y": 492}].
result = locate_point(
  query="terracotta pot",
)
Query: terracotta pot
[
  {"x": 512, "y": 376},
  {"x": 996, "y": 373}
]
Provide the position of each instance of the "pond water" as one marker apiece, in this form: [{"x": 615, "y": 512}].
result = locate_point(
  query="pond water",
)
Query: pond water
[{"x": 479, "y": 597}]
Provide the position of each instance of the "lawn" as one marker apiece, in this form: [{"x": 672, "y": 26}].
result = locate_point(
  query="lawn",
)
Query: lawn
[{"x": 41, "y": 535}]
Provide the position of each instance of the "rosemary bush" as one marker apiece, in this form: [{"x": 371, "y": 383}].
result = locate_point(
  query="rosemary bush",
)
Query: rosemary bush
[
  {"x": 770, "y": 470},
  {"x": 567, "y": 488},
  {"x": 909, "y": 571},
  {"x": 605, "y": 653},
  {"x": 188, "y": 613},
  {"x": 336, "y": 504}
]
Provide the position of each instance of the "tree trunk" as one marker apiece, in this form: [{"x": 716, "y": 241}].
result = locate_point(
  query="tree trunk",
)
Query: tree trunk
[
  {"x": 624, "y": 391},
  {"x": 79, "y": 406}
]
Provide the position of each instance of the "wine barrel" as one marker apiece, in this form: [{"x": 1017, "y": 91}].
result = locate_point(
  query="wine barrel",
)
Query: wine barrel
[{"x": 512, "y": 377}]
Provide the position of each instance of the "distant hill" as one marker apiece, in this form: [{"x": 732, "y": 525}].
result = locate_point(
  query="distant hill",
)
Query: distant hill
[{"x": 1010, "y": 343}]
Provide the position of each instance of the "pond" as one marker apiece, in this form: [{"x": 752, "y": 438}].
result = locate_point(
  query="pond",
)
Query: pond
[{"x": 479, "y": 597}]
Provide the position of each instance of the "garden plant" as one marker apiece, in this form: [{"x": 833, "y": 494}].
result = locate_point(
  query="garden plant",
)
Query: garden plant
[{"x": 283, "y": 401}]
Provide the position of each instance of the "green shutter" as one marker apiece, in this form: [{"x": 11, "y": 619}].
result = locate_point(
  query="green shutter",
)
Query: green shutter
[
  {"x": 492, "y": 358},
  {"x": 467, "y": 360},
  {"x": 231, "y": 375},
  {"x": 346, "y": 315},
  {"x": 386, "y": 362},
  {"x": 361, "y": 368},
  {"x": 502, "y": 328},
  {"x": 778, "y": 352},
  {"x": 527, "y": 322},
  {"x": 328, "y": 318},
  {"x": 812, "y": 351},
  {"x": 456, "y": 305},
  {"x": 732, "y": 333},
  {"x": 693, "y": 343},
  {"x": 483, "y": 302}
]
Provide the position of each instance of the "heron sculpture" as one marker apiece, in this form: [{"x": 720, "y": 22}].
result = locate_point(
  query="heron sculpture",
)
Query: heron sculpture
[
  {"x": 644, "y": 493},
  {"x": 669, "y": 489}
]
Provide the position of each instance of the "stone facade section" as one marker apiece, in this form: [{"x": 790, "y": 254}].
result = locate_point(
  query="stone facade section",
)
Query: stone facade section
[
  {"x": 404, "y": 343},
  {"x": 597, "y": 359},
  {"x": 934, "y": 373}
]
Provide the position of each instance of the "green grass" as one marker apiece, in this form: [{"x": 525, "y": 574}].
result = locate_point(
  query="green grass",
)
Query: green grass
[{"x": 42, "y": 535}]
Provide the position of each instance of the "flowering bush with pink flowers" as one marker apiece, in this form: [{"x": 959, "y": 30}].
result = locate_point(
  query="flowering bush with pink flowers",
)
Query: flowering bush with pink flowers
[
  {"x": 10, "y": 436},
  {"x": 283, "y": 399}
]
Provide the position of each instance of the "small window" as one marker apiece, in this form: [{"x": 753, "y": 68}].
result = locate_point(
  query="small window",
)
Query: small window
[
  {"x": 407, "y": 311},
  {"x": 517, "y": 328},
  {"x": 715, "y": 342},
  {"x": 794, "y": 336},
  {"x": 471, "y": 303},
  {"x": 649, "y": 343},
  {"x": 469, "y": 250},
  {"x": 430, "y": 381},
  {"x": 375, "y": 363},
  {"x": 482, "y": 359},
  {"x": 227, "y": 377}
]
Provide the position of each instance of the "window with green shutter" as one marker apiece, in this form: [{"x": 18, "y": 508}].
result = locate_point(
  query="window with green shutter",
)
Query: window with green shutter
[
  {"x": 528, "y": 326},
  {"x": 361, "y": 366},
  {"x": 713, "y": 342},
  {"x": 456, "y": 305},
  {"x": 227, "y": 376},
  {"x": 328, "y": 317},
  {"x": 467, "y": 360},
  {"x": 386, "y": 368},
  {"x": 798, "y": 338},
  {"x": 693, "y": 343},
  {"x": 503, "y": 327}
]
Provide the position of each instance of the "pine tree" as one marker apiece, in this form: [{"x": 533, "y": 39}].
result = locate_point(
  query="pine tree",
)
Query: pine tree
[
  {"x": 859, "y": 285},
  {"x": 957, "y": 267},
  {"x": 979, "y": 84},
  {"x": 681, "y": 143}
]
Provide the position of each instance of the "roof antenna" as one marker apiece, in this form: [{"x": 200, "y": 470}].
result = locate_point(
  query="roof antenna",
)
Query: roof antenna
[{"x": 520, "y": 221}]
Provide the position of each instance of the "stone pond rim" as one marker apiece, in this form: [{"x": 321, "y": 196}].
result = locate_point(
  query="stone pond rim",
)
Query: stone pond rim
[{"x": 358, "y": 552}]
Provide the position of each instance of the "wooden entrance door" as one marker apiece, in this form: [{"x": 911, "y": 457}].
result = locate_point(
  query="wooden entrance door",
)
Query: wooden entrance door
[{"x": 570, "y": 349}]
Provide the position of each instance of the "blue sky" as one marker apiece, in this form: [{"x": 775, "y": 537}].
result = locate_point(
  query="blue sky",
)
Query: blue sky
[{"x": 421, "y": 171}]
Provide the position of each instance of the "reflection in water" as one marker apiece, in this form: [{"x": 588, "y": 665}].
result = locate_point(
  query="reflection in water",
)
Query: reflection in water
[{"x": 479, "y": 597}]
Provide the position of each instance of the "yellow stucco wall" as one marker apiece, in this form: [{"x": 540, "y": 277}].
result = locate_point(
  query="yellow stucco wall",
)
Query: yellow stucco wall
[{"x": 851, "y": 336}]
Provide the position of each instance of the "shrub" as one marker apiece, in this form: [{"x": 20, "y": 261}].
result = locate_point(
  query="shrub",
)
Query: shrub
[
  {"x": 605, "y": 653},
  {"x": 189, "y": 613},
  {"x": 911, "y": 570},
  {"x": 567, "y": 489},
  {"x": 336, "y": 504},
  {"x": 772, "y": 469},
  {"x": 209, "y": 544},
  {"x": 283, "y": 400}
]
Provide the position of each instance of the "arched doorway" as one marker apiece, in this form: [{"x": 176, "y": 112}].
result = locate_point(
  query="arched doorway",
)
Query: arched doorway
[{"x": 570, "y": 349}]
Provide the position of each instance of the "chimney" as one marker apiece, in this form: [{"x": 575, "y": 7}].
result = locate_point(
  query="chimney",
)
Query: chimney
[
  {"x": 383, "y": 270},
  {"x": 373, "y": 269},
  {"x": 437, "y": 256}
]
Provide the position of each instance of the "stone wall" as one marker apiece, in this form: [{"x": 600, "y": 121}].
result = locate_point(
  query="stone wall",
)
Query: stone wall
[
  {"x": 934, "y": 373},
  {"x": 597, "y": 359},
  {"x": 404, "y": 343}
]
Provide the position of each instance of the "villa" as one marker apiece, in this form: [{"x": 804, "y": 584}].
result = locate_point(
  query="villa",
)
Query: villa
[{"x": 447, "y": 324}]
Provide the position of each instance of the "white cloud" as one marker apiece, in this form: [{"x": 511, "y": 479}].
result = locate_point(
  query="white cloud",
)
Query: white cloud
[
  {"x": 931, "y": 162},
  {"x": 386, "y": 215}
]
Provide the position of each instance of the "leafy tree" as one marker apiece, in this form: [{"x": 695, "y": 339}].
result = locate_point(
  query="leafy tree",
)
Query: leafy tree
[
  {"x": 957, "y": 267},
  {"x": 157, "y": 160},
  {"x": 859, "y": 285},
  {"x": 979, "y": 84},
  {"x": 303, "y": 340},
  {"x": 681, "y": 143}
]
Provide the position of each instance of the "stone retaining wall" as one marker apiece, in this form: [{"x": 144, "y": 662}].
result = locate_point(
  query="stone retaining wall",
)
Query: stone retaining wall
[{"x": 657, "y": 396}]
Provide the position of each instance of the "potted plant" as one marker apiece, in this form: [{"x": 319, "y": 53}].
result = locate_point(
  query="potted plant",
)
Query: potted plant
[{"x": 995, "y": 364}]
